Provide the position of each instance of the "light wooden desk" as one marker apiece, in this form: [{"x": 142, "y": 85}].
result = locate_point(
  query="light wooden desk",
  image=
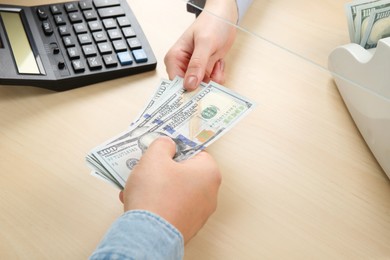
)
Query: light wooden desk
[{"x": 298, "y": 180}]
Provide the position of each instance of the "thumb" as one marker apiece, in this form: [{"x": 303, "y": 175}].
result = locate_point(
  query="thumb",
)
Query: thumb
[
  {"x": 197, "y": 66},
  {"x": 161, "y": 149}
]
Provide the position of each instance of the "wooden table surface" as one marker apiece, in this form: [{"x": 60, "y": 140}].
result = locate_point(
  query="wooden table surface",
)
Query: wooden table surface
[{"x": 299, "y": 182}]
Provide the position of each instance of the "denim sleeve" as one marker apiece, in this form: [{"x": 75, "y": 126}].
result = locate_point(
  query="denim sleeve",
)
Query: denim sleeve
[{"x": 139, "y": 234}]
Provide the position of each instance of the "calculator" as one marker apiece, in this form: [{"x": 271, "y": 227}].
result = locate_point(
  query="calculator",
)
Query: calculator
[{"x": 67, "y": 45}]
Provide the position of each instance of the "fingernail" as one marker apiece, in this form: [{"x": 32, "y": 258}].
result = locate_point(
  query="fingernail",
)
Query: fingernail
[{"x": 191, "y": 82}]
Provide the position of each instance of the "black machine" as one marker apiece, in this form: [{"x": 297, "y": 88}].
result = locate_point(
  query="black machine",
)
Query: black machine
[{"x": 72, "y": 44}]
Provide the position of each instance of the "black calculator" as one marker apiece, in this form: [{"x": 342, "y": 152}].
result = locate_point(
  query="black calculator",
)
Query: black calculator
[{"x": 67, "y": 45}]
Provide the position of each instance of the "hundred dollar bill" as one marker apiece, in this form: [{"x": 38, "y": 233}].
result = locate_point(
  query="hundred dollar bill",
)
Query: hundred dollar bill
[
  {"x": 351, "y": 12},
  {"x": 194, "y": 126},
  {"x": 378, "y": 28},
  {"x": 363, "y": 14},
  {"x": 174, "y": 97}
]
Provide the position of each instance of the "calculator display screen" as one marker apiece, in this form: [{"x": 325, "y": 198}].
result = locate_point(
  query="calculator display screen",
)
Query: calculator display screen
[{"x": 21, "y": 48}]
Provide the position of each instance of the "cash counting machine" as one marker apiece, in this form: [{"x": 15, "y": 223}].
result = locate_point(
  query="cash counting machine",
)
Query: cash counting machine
[{"x": 363, "y": 79}]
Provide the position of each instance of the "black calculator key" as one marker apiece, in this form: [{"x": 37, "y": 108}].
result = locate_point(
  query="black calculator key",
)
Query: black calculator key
[
  {"x": 123, "y": 21},
  {"x": 71, "y": 7},
  {"x": 114, "y": 34},
  {"x": 75, "y": 17},
  {"x": 47, "y": 28},
  {"x": 125, "y": 58},
  {"x": 99, "y": 36},
  {"x": 63, "y": 30},
  {"x": 110, "y": 60},
  {"x": 95, "y": 26},
  {"x": 78, "y": 66},
  {"x": 105, "y": 3},
  {"x": 69, "y": 41},
  {"x": 84, "y": 38},
  {"x": 85, "y": 5},
  {"x": 55, "y": 9},
  {"x": 80, "y": 28},
  {"x": 110, "y": 12},
  {"x": 90, "y": 15},
  {"x": 134, "y": 43},
  {"x": 105, "y": 48},
  {"x": 140, "y": 56},
  {"x": 128, "y": 32},
  {"x": 119, "y": 45},
  {"x": 89, "y": 50},
  {"x": 73, "y": 53},
  {"x": 59, "y": 19},
  {"x": 109, "y": 23},
  {"x": 42, "y": 14},
  {"x": 94, "y": 63}
]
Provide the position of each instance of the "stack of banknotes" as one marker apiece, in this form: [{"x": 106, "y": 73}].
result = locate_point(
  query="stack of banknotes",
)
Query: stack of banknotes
[
  {"x": 368, "y": 21},
  {"x": 193, "y": 120}
]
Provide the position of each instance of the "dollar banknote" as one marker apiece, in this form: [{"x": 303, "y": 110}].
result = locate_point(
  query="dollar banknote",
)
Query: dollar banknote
[
  {"x": 378, "y": 28},
  {"x": 368, "y": 21},
  {"x": 193, "y": 120},
  {"x": 351, "y": 10}
]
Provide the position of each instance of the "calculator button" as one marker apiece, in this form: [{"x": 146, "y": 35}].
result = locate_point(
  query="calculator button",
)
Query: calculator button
[
  {"x": 104, "y": 48},
  {"x": 85, "y": 5},
  {"x": 105, "y": 3},
  {"x": 89, "y": 50},
  {"x": 125, "y": 58},
  {"x": 71, "y": 7},
  {"x": 134, "y": 43},
  {"x": 90, "y": 15},
  {"x": 59, "y": 19},
  {"x": 123, "y": 21},
  {"x": 75, "y": 17},
  {"x": 128, "y": 32},
  {"x": 119, "y": 45},
  {"x": 80, "y": 28},
  {"x": 114, "y": 34},
  {"x": 54, "y": 48},
  {"x": 110, "y": 60},
  {"x": 63, "y": 30},
  {"x": 61, "y": 65},
  {"x": 109, "y": 23},
  {"x": 78, "y": 66},
  {"x": 42, "y": 13},
  {"x": 95, "y": 26},
  {"x": 84, "y": 38},
  {"x": 140, "y": 55},
  {"x": 55, "y": 9},
  {"x": 99, "y": 36},
  {"x": 110, "y": 12},
  {"x": 94, "y": 63},
  {"x": 47, "y": 28},
  {"x": 68, "y": 41},
  {"x": 73, "y": 53}
]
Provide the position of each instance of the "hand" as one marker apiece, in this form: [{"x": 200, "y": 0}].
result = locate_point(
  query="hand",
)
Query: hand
[
  {"x": 183, "y": 193},
  {"x": 198, "y": 54}
]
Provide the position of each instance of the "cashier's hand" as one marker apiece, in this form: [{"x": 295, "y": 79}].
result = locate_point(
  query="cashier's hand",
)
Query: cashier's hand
[
  {"x": 183, "y": 193},
  {"x": 198, "y": 54}
]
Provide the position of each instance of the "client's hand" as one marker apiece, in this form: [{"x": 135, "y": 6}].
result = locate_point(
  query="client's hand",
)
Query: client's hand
[{"x": 184, "y": 193}]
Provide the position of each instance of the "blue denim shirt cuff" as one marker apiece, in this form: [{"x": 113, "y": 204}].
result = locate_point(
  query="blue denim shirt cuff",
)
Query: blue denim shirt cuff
[{"x": 140, "y": 234}]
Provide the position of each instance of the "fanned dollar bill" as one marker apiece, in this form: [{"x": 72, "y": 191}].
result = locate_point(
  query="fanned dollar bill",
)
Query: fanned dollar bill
[{"x": 193, "y": 120}]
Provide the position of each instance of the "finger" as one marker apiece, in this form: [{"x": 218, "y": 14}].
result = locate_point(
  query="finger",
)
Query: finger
[
  {"x": 121, "y": 196},
  {"x": 161, "y": 148},
  {"x": 198, "y": 63},
  {"x": 173, "y": 67},
  {"x": 218, "y": 74}
]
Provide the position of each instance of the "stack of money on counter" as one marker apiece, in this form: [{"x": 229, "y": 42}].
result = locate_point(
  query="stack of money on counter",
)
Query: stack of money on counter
[
  {"x": 368, "y": 21},
  {"x": 192, "y": 119}
]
